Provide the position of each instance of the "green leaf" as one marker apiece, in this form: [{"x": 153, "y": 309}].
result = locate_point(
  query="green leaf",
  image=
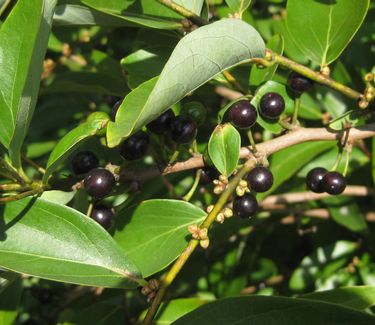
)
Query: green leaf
[
  {"x": 347, "y": 213},
  {"x": 23, "y": 40},
  {"x": 174, "y": 309},
  {"x": 351, "y": 118},
  {"x": 224, "y": 148},
  {"x": 258, "y": 76},
  {"x": 155, "y": 232},
  {"x": 285, "y": 163},
  {"x": 197, "y": 58},
  {"x": 272, "y": 86},
  {"x": 52, "y": 241},
  {"x": 261, "y": 310},
  {"x": 70, "y": 142},
  {"x": 323, "y": 262},
  {"x": 360, "y": 297},
  {"x": 76, "y": 15},
  {"x": 10, "y": 296},
  {"x": 238, "y": 6},
  {"x": 310, "y": 109},
  {"x": 117, "y": 6},
  {"x": 192, "y": 5},
  {"x": 322, "y": 29},
  {"x": 145, "y": 64}
]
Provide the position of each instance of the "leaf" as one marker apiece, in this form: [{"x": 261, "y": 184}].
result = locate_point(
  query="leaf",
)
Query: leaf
[
  {"x": 310, "y": 110},
  {"x": 323, "y": 262},
  {"x": 155, "y": 233},
  {"x": 10, "y": 296},
  {"x": 145, "y": 64},
  {"x": 262, "y": 310},
  {"x": 286, "y": 163},
  {"x": 238, "y": 6},
  {"x": 70, "y": 142},
  {"x": 338, "y": 22},
  {"x": 76, "y": 15},
  {"x": 346, "y": 213},
  {"x": 224, "y": 148},
  {"x": 176, "y": 308},
  {"x": 258, "y": 76},
  {"x": 23, "y": 40},
  {"x": 52, "y": 241},
  {"x": 116, "y": 6},
  {"x": 351, "y": 118},
  {"x": 197, "y": 58},
  {"x": 359, "y": 297},
  {"x": 272, "y": 86},
  {"x": 192, "y": 5}
]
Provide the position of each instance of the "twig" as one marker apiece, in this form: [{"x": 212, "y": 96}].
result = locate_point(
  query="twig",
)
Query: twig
[
  {"x": 195, "y": 19},
  {"x": 40, "y": 169},
  {"x": 299, "y": 135},
  {"x": 192, "y": 190},
  {"x": 21, "y": 195},
  {"x": 177, "y": 266}
]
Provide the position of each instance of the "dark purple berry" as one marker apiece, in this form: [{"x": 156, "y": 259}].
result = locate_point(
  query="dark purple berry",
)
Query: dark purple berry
[
  {"x": 115, "y": 108},
  {"x": 103, "y": 216},
  {"x": 272, "y": 105},
  {"x": 260, "y": 179},
  {"x": 333, "y": 183},
  {"x": 135, "y": 146},
  {"x": 208, "y": 175},
  {"x": 162, "y": 123},
  {"x": 183, "y": 129},
  {"x": 99, "y": 182},
  {"x": 314, "y": 179},
  {"x": 84, "y": 161},
  {"x": 299, "y": 84},
  {"x": 242, "y": 114},
  {"x": 245, "y": 206}
]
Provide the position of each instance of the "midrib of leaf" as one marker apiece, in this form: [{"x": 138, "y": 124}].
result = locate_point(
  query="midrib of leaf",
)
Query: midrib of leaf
[
  {"x": 324, "y": 59},
  {"x": 164, "y": 234}
]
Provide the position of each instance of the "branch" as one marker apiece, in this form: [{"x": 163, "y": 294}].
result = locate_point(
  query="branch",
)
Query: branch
[
  {"x": 195, "y": 19},
  {"x": 297, "y": 136},
  {"x": 291, "y": 198},
  {"x": 180, "y": 262}
]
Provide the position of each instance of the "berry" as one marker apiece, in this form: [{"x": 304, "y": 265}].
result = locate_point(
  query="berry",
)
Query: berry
[
  {"x": 103, "y": 216},
  {"x": 162, "y": 123},
  {"x": 242, "y": 114},
  {"x": 245, "y": 206},
  {"x": 260, "y": 179},
  {"x": 196, "y": 111},
  {"x": 99, "y": 182},
  {"x": 314, "y": 179},
  {"x": 208, "y": 175},
  {"x": 299, "y": 84},
  {"x": 271, "y": 105},
  {"x": 333, "y": 183},
  {"x": 84, "y": 161},
  {"x": 183, "y": 129},
  {"x": 135, "y": 146},
  {"x": 115, "y": 108}
]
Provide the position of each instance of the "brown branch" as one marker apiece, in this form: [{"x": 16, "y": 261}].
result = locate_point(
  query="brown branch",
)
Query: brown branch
[
  {"x": 297, "y": 136},
  {"x": 291, "y": 198}
]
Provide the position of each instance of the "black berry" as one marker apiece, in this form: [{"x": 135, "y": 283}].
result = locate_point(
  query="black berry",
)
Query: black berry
[
  {"x": 333, "y": 183},
  {"x": 298, "y": 83},
  {"x": 84, "y": 161},
  {"x": 271, "y": 105},
  {"x": 260, "y": 179},
  {"x": 162, "y": 123},
  {"x": 208, "y": 175},
  {"x": 314, "y": 179},
  {"x": 103, "y": 216},
  {"x": 135, "y": 146},
  {"x": 99, "y": 182},
  {"x": 242, "y": 114},
  {"x": 245, "y": 206},
  {"x": 183, "y": 129},
  {"x": 115, "y": 108}
]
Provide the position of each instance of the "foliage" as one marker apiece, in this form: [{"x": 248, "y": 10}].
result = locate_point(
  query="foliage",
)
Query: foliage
[{"x": 91, "y": 75}]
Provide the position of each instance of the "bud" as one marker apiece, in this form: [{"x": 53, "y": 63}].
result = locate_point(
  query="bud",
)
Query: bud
[
  {"x": 209, "y": 208},
  {"x": 203, "y": 233},
  {"x": 204, "y": 243},
  {"x": 228, "y": 212},
  {"x": 240, "y": 191},
  {"x": 220, "y": 217},
  {"x": 153, "y": 284},
  {"x": 145, "y": 290}
]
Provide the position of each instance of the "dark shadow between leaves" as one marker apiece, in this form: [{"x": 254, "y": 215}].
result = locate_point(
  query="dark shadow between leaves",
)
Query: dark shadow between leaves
[
  {"x": 5, "y": 226},
  {"x": 327, "y": 2}
]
